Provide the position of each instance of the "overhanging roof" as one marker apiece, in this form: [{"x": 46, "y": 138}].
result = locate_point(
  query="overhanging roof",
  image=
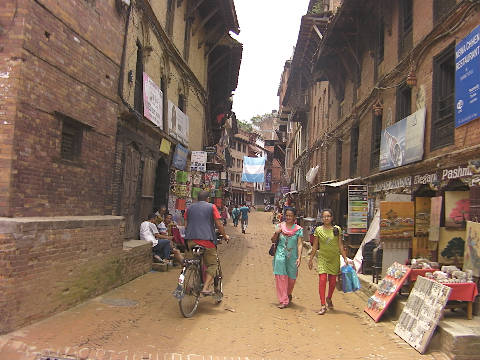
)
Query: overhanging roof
[{"x": 343, "y": 182}]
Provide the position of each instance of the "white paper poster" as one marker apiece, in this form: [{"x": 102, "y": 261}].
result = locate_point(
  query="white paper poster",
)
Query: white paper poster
[
  {"x": 199, "y": 161},
  {"x": 178, "y": 124},
  {"x": 152, "y": 101}
]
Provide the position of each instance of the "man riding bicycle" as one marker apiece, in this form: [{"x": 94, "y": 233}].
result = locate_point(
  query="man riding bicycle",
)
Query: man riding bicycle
[{"x": 201, "y": 218}]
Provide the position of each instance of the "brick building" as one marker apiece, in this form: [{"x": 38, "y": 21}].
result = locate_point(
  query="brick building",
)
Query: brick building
[
  {"x": 361, "y": 68},
  {"x": 79, "y": 158}
]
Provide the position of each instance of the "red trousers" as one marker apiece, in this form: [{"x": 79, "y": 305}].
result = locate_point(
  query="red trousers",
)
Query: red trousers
[{"x": 322, "y": 282}]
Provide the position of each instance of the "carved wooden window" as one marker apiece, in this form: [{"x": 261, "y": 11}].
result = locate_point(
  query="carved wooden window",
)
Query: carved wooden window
[
  {"x": 338, "y": 169},
  {"x": 354, "y": 150},
  {"x": 187, "y": 37},
  {"x": 443, "y": 98},
  {"x": 404, "y": 102},
  {"x": 405, "y": 27},
  {"x": 170, "y": 16},
  {"x": 138, "y": 97},
  {"x": 442, "y": 8},
  {"x": 376, "y": 139},
  {"x": 380, "y": 41}
]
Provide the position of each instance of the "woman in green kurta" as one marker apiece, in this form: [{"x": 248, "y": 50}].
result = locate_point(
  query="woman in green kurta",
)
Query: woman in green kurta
[
  {"x": 328, "y": 241},
  {"x": 287, "y": 257}
]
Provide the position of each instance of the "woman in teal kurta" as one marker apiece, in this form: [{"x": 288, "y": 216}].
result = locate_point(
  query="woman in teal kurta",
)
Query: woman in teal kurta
[
  {"x": 328, "y": 241},
  {"x": 287, "y": 257}
]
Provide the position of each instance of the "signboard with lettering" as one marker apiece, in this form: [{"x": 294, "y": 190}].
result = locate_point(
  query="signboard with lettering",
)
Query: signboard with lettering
[
  {"x": 357, "y": 209},
  {"x": 152, "y": 101},
  {"x": 402, "y": 142},
  {"x": 467, "y": 78},
  {"x": 180, "y": 155}
]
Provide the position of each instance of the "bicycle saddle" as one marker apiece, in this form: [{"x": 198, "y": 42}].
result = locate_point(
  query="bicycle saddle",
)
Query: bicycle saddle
[{"x": 198, "y": 250}]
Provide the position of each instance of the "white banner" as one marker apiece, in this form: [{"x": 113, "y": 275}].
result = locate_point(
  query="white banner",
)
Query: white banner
[
  {"x": 152, "y": 101},
  {"x": 178, "y": 123}
]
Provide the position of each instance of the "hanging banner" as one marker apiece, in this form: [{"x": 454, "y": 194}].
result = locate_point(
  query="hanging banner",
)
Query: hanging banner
[
  {"x": 467, "y": 78},
  {"x": 152, "y": 101},
  {"x": 199, "y": 161},
  {"x": 402, "y": 143},
  {"x": 472, "y": 248},
  {"x": 178, "y": 123},
  {"x": 253, "y": 169},
  {"x": 180, "y": 157},
  {"x": 457, "y": 208},
  {"x": 435, "y": 216},
  {"x": 165, "y": 146},
  {"x": 357, "y": 209},
  {"x": 268, "y": 180},
  {"x": 396, "y": 220}
]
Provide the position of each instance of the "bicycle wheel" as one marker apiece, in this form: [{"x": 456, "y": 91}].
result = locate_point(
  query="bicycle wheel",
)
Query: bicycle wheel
[{"x": 192, "y": 286}]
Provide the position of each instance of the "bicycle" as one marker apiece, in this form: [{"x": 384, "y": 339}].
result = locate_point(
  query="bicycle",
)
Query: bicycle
[{"x": 190, "y": 283}]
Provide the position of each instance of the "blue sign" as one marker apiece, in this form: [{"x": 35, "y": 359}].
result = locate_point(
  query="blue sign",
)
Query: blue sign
[
  {"x": 180, "y": 157},
  {"x": 467, "y": 78}
]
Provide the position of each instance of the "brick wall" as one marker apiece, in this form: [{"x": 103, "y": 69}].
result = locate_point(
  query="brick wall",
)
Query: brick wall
[
  {"x": 50, "y": 264},
  {"x": 62, "y": 57}
]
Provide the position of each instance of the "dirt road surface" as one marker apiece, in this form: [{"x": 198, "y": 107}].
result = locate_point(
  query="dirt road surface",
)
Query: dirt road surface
[{"x": 141, "y": 320}]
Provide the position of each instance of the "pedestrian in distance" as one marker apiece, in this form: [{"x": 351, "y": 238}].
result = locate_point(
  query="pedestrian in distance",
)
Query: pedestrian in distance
[
  {"x": 328, "y": 241},
  {"x": 244, "y": 210},
  {"x": 287, "y": 258},
  {"x": 235, "y": 215}
]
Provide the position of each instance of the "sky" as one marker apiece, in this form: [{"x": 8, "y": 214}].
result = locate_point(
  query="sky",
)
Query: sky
[{"x": 268, "y": 32}]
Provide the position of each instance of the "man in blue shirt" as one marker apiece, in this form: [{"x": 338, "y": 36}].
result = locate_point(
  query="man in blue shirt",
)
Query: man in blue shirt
[{"x": 244, "y": 210}]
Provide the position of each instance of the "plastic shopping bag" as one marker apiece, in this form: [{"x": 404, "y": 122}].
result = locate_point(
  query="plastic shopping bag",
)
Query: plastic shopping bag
[{"x": 350, "y": 281}]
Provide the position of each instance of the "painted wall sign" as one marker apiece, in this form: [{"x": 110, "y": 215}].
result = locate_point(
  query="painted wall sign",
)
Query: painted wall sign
[
  {"x": 152, "y": 101},
  {"x": 467, "y": 78},
  {"x": 393, "y": 184},
  {"x": 402, "y": 142}
]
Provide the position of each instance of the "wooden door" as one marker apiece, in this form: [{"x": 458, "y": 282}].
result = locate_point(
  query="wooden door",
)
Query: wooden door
[
  {"x": 148, "y": 183},
  {"x": 131, "y": 174}
]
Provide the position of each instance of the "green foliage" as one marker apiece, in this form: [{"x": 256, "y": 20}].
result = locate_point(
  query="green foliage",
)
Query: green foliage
[
  {"x": 318, "y": 8},
  {"x": 245, "y": 126}
]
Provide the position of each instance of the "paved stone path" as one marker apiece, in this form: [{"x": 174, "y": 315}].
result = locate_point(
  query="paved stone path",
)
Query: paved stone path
[{"x": 141, "y": 319}]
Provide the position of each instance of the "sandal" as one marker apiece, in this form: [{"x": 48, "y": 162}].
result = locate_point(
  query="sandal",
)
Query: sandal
[
  {"x": 206, "y": 293},
  {"x": 290, "y": 298},
  {"x": 329, "y": 303},
  {"x": 282, "y": 306},
  {"x": 323, "y": 310}
]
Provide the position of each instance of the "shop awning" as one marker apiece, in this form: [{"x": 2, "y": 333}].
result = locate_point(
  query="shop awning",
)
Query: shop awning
[{"x": 343, "y": 182}]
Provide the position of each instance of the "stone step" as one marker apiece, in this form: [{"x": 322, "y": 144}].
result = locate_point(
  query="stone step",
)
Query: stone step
[{"x": 455, "y": 336}]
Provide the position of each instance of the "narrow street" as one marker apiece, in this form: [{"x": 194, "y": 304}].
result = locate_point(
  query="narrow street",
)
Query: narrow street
[{"x": 141, "y": 319}]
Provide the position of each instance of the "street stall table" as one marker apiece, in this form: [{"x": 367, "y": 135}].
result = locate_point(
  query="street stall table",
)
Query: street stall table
[
  {"x": 412, "y": 276},
  {"x": 465, "y": 292}
]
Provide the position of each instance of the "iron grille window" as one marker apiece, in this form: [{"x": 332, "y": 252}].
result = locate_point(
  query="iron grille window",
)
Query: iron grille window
[
  {"x": 406, "y": 27},
  {"x": 376, "y": 139},
  {"x": 138, "y": 97},
  {"x": 404, "y": 102},
  {"x": 443, "y": 106},
  {"x": 338, "y": 168},
  {"x": 442, "y": 8},
  {"x": 354, "y": 150},
  {"x": 71, "y": 142}
]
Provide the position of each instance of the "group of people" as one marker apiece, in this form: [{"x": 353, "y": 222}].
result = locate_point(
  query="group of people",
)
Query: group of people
[
  {"x": 289, "y": 239},
  {"x": 240, "y": 214},
  {"x": 202, "y": 220}
]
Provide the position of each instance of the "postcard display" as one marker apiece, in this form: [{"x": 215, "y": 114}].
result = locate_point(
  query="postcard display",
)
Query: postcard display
[
  {"x": 388, "y": 288},
  {"x": 421, "y": 314}
]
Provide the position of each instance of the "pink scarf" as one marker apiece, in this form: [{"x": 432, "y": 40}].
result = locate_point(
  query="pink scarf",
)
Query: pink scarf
[{"x": 289, "y": 232}]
